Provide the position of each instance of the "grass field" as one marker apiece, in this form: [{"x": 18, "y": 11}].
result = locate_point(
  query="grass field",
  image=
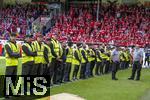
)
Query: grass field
[{"x": 103, "y": 88}]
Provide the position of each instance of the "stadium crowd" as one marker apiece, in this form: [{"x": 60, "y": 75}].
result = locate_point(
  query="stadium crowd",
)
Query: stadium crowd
[{"x": 18, "y": 19}]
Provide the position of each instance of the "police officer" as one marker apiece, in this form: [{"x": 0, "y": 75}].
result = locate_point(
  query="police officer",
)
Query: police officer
[
  {"x": 116, "y": 62},
  {"x": 28, "y": 55},
  {"x": 137, "y": 63}
]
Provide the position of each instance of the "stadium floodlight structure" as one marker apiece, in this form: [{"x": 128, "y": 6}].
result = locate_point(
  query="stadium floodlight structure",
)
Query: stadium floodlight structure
[{"x": 97, "y": 17}]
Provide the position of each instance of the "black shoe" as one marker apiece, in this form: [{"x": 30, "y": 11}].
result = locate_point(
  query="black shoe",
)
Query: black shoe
[
  {"x": 8, "y": 97},
  {"x": 137, "y": 79},
  {"x": 115, "y": 79},
  {"x": 130, "y": 78}
]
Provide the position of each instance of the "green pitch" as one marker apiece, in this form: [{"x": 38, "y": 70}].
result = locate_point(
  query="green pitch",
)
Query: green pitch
[{"x": 103, "y": 88}]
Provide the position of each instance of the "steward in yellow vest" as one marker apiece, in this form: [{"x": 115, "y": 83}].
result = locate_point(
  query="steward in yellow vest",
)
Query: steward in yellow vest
[
  {"x": 122, "y": 59},
  {"x": 84, "y": 61},
  {"x": 91, "y": 59},
  {"x": 98, "y": 62},
  {"x": 47, "y": 57},
  {"x": 12, "y": 54},
  {"x": 28, "y": 54},
  {"x": 76, "y": 61},
  {"x": 69, "y": 58},
  {"x": 12, "y": 51},
  {"x": 104, "y": 58},
  {"x": 127, "y": 56},
  {"x": 56, "y": 61},
  {"x": 39, "y": 48},
  {"x": 108, "y": 60}
]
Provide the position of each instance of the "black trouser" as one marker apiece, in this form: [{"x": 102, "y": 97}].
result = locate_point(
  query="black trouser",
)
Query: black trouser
[
  {"x": 127, "y": 64},
  {"x": 115, "y": 67},
  {"x": 37, "y": 69},
  {"x": 67, "y": 72},
  {"x": 75, "y": 72},
  {"x": 11, "y": 71},
  {"x": 102, "y": 67},
  {"x": 52, "y": 71},
  {"x": 92, "y": 65},
  {"x": 83, "y": 70},
  {"x": 136, "y": 68},
  {"x": 122, "y": 65},
  {"x": 97, "y": 69},
  {"x": 27, "y": 68},
  {"x": 46, "y": 69},
  {"x": 63, "y": 71},
  {"x": 107, "y": 64},
  {"x": 57, "y": 71},
  {"x": 147, "y": 60}
]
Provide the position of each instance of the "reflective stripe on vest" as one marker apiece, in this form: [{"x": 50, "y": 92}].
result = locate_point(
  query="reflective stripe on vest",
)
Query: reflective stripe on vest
[
  {"x": 12, "y": 61},
  {"x": 26, "y": 58}
]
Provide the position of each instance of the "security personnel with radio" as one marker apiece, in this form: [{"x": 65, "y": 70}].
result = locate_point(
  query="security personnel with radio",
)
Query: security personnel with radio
[
  {"x": 28, "y": 54},
  {"x": 39, "y": 48}
]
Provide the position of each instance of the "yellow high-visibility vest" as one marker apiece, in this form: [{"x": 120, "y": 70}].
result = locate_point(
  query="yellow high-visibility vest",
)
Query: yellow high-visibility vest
[
  {"x": 90, "y": 58},
  {"x": 57, "y": 47},
  {"x": 103, "y": 56},
  {"x": 121, "y": 56},
  {"x": 82, "y": 59},
  {"x": 49, "y": 54},
  {"x": 26, "y": 58},
  {"x": 39, "y": 58},
  {"x": 97, "y": 58},
  {"x": 69, "y": 56},
  {"x": 12, "y": 61},
  {"x": 74, "y": 60}
]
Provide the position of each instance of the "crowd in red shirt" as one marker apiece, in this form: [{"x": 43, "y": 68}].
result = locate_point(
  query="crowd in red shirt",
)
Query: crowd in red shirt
[
  {"x": 123, "y": 25},
  {"x": 18, "y": 19}
]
